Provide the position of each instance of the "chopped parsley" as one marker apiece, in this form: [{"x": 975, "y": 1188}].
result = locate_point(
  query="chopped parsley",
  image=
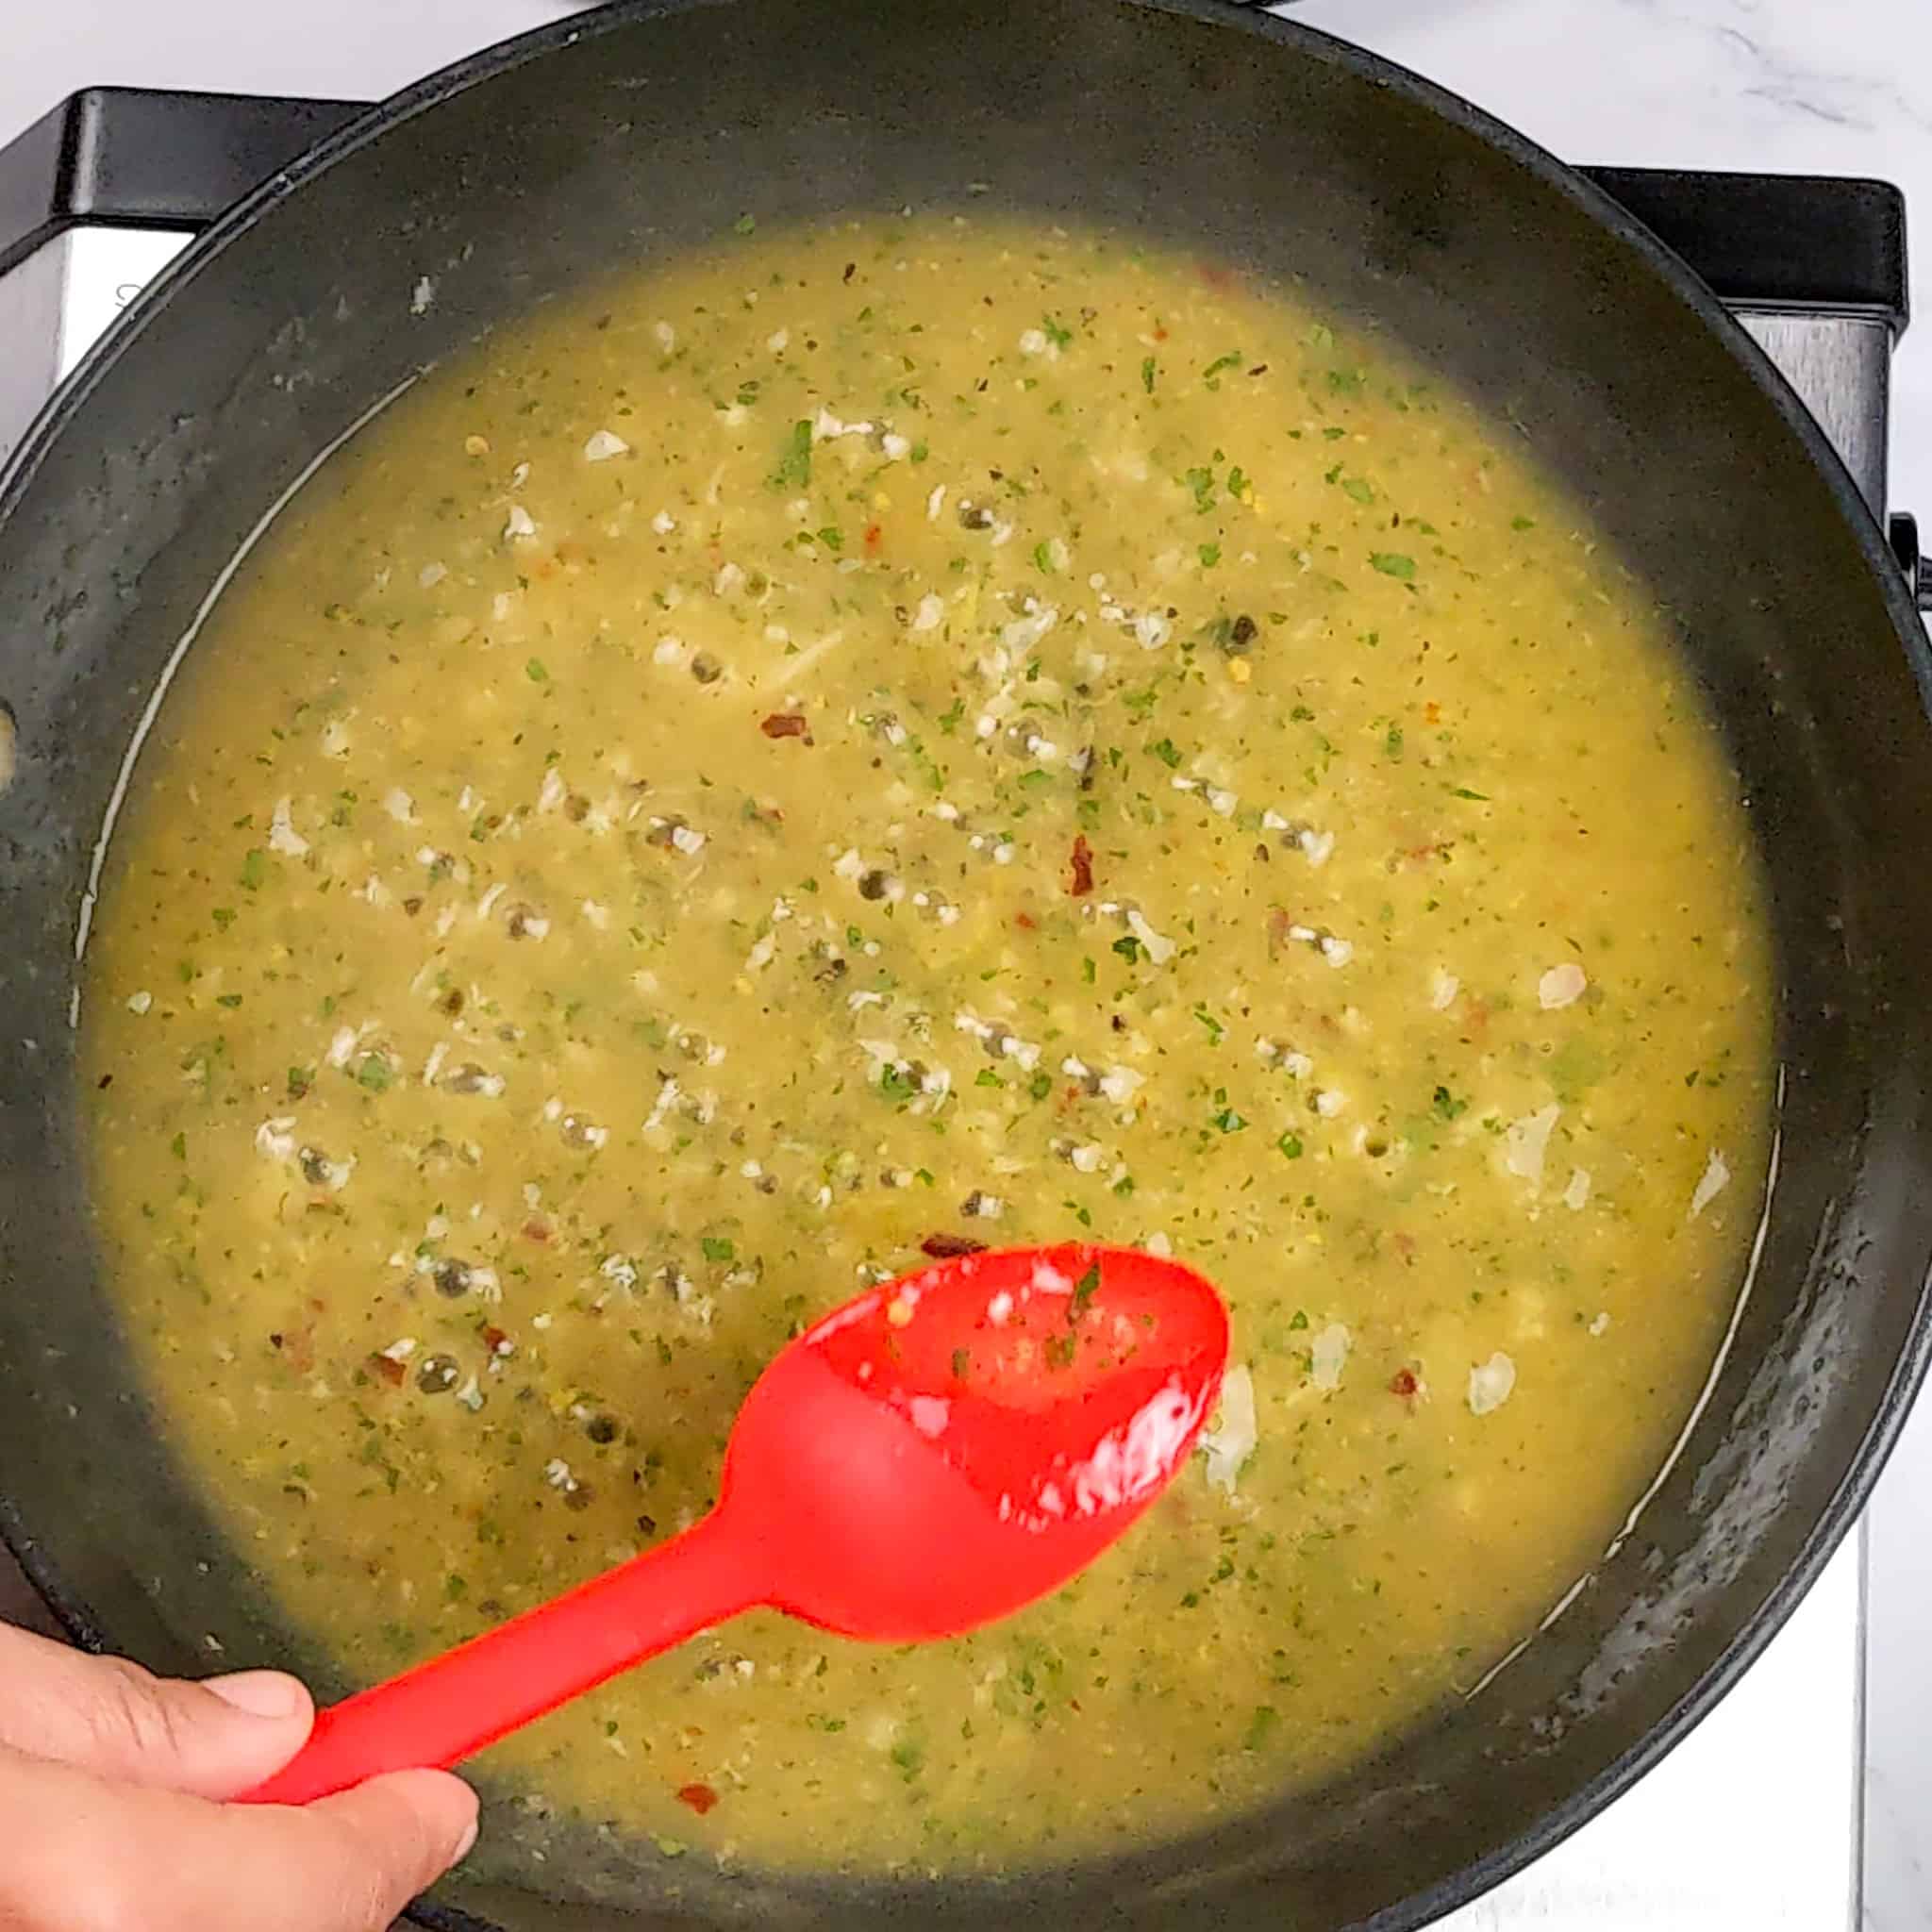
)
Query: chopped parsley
[
  {"x": 794, "y": 459},
  {"x": 1084, "y": 1291}
]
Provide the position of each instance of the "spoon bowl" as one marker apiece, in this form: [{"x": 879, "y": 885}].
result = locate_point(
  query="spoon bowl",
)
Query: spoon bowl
[
  {"x": 937, "y": 1453},
  {"x": 942, "y": 1451}
]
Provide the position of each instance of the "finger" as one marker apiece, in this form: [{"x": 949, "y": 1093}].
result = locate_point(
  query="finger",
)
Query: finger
[
  {"x": 104, "y": 1714},
  {"x": 88, "y": 1856},
  {"x": 414, "y": 1824}
]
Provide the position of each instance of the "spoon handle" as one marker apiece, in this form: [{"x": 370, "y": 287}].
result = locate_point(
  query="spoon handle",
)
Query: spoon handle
[{"x": 453, "y": 1706}]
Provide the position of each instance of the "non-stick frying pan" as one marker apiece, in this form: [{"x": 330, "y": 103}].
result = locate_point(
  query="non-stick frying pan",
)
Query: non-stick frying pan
[{"x": 630, "y": 133}]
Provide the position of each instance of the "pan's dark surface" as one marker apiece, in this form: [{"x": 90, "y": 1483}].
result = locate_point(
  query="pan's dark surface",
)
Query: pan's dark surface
[{"x": 617, "y": 141}]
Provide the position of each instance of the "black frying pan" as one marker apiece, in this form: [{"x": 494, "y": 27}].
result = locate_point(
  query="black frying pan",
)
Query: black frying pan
[{"x": 626, "y": 135}]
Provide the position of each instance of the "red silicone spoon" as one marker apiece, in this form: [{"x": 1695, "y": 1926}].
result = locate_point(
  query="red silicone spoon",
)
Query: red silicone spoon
[{"x": 932, "y": 1455}]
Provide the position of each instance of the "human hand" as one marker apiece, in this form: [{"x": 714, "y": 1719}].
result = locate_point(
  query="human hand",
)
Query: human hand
[{"x": 113, "y": 1816}]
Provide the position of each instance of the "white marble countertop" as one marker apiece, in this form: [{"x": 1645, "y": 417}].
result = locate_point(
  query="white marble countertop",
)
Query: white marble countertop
[{"x": 1788, "y": 86}]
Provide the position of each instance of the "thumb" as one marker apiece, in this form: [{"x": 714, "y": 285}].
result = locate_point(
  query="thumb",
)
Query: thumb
[{"x": 110, "y": 1717}]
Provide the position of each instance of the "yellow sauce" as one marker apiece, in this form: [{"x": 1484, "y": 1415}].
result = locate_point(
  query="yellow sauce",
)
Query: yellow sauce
[{"x": 932, "y": 730}]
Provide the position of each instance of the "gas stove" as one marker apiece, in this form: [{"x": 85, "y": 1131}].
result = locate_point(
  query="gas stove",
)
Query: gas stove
[{"x": 1755, "y": 1823}]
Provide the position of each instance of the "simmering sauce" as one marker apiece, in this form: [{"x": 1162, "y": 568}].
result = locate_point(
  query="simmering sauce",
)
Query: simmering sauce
[{"x": 871, "y": 741}]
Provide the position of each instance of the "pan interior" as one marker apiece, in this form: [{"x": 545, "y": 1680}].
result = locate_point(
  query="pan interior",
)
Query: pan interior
[{"x": 927, "y": 732}]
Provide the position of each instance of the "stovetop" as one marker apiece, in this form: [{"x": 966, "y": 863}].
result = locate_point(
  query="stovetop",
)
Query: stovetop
[{"x": 1753, "y": 1823}]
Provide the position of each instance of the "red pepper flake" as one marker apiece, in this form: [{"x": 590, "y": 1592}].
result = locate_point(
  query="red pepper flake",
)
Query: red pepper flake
[
  {"x": 1025, "y": 920},
  {"x": 1161, "y": 335},
  {"x": 699, "y": 1797},
  {"x": 536, "y": 1230},
  {"x": 949, "y": 1247},
  {"x": 1432, "y": 712},
  {"x": 497, "y": 1342},
  {"x": 1404, "y": 1383},
  {"x": 784, "y": 724},
  {"x": 1083, "y": 867},
  {"x": 391, "y": 1371},
  {"x": 874, "y": 536}
]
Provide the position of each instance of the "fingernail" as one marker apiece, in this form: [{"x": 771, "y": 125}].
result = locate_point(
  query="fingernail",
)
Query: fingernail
[
  {"x": 260, "y": 1693},
  {"x": 467, "y": 1843}
]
